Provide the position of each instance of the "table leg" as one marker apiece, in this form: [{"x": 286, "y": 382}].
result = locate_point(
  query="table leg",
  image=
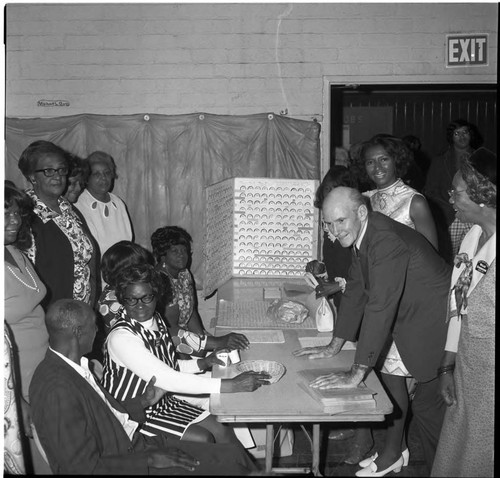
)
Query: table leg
[
  {"x": 316, "y": 446},
  {"x": 269, "y": 447}
]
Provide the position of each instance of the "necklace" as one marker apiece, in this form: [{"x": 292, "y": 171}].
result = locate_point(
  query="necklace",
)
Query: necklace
[
  {"x": 32, "y": 287},
  {"x": 165, "y": 268}
]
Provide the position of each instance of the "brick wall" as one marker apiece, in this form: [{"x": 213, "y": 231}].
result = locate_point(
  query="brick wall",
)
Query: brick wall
[{"x": 227, "y": 58}]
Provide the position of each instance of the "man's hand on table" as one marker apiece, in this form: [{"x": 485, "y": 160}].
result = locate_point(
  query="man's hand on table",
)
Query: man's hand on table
[
  {"x": 323, "y": 351},
  {"x": 245, "y": 382},
  {"x": 350, "y": 379}
]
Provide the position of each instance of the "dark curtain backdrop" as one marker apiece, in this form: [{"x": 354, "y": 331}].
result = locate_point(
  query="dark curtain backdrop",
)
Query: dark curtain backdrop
[{"x": 165, "y": 162}]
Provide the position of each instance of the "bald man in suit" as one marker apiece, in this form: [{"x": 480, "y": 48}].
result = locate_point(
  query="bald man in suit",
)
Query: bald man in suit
[{"x": 397, "y": 289}]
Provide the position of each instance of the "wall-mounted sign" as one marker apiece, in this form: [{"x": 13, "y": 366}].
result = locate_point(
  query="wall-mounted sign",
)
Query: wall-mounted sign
[
  {"x": 49, "y": 103},
  {"x": 469, "y": 49}
]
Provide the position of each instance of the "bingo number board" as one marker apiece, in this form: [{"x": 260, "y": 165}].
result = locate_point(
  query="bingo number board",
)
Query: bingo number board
[{"x": 259, "y": 227}]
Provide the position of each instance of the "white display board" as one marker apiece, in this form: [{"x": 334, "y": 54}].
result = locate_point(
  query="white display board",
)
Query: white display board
[{"x": 259, "y": 227}]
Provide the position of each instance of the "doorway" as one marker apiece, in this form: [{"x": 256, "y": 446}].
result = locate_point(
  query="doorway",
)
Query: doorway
[{"x": 360, "y": 111}]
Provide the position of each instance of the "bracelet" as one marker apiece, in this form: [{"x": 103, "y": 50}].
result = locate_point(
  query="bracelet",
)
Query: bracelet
[{"x": 445, "y": 369}]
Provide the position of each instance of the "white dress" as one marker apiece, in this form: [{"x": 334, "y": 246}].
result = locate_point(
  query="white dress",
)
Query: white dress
[
  {"x": 393, "y": 201},
  {"x": 108, "y": 222}
]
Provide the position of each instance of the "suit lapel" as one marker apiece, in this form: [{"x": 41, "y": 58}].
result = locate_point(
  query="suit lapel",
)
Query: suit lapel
[{"x": 82, "y": 383}]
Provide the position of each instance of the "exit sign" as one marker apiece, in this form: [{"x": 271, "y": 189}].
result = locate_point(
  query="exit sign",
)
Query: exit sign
[{"x": 467, "y": 50}]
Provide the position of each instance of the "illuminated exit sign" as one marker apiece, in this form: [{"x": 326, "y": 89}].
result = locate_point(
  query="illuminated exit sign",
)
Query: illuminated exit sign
[{"x": 467, "y": 50}]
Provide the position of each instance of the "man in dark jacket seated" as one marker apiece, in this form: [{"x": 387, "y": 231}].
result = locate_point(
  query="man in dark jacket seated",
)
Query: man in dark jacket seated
[{"x": 84, "y": 430}]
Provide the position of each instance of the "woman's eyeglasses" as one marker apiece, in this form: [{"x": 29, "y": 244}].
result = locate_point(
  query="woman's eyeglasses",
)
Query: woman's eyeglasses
[
  {"x": 145, "y": 299},
  {"x": 452, "y": 192},
  {"x": 463, "y": 132},
  {"x": 49, "y": 172}
]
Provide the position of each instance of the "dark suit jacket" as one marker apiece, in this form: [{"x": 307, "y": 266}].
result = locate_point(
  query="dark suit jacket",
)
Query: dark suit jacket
[
  {"x": 81, "y": 435},
  {"x": 398, "y": 283},
  {"x": 78, "y": 432}
]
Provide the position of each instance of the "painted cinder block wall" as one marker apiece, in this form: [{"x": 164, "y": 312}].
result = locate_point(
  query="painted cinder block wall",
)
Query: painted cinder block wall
[{"x": 227, "y": 58}]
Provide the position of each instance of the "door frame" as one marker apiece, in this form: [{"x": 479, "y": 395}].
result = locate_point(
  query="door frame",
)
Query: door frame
[{"x": 417, "y": 80}]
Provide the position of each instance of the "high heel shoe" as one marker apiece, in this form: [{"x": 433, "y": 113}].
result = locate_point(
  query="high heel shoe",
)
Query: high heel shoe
[
  {"x": 364, "y": 463},
  {"x": 405, "y": 454},
  {"x": 371, "y": 469}
]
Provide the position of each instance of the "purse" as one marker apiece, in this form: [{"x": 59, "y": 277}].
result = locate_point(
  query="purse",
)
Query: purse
[{"x": 325, "y": 316}]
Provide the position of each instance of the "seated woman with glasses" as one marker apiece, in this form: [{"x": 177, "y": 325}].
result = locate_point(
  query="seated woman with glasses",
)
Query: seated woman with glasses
[
  {"x": 63, "y": 251},
  {"x": 105, "y": 213},
  {"x": 139, "y": 346}
]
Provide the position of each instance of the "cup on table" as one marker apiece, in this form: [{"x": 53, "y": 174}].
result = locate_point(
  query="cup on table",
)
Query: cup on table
[{"x": 234, "y": 356}]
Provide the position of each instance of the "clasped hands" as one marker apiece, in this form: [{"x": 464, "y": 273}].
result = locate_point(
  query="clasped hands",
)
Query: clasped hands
[{"x": 325, "y": 288}]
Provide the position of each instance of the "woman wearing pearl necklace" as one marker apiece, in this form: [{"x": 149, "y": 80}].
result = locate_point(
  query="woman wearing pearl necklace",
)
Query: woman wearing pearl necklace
[{"x": 24, "y": 315}]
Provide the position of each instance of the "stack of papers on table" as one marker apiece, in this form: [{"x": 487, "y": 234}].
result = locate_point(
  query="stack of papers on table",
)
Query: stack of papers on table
[{"x": 337, "y": 400}]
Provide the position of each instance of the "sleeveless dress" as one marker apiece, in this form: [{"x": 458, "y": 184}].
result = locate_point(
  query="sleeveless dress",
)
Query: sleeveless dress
[
  {"x": 24, "y": 290},
  {"x": 393, "y": 201},
  {"x": 170, "y": 415}
]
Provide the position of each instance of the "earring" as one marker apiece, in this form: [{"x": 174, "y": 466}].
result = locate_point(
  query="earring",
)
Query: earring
[{"x": 481, "y": 205}]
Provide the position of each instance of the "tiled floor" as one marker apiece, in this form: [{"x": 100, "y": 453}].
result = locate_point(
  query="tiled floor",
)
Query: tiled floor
[{"x": 333, "y": 452}]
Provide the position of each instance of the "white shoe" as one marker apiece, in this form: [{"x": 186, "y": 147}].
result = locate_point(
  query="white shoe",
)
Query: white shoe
[
  {"x": 405, "y": 454},
  {"x": 371, "y": 469},
  {"x": 364, "y": 463}
]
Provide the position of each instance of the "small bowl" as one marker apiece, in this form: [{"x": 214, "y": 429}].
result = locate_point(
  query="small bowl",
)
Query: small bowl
[{"x": 275, "y": 369}]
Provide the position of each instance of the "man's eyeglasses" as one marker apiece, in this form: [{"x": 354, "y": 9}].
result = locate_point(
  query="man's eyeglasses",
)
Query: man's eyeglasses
[
  {"x": 145, "y": 299},
  {"x": 49, "y": 172},
  {"x": 452, "y": 192}
]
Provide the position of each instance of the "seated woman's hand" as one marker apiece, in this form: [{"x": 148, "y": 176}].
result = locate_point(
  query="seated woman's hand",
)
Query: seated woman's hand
[
  {"x": 234, "y": 341},
  {"x": 245, "y": 382},
  {"x": 210, "y": 360}
]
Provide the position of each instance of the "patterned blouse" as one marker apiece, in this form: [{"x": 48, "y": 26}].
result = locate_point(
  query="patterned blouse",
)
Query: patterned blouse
[
  {"x": 70, "y": 225},
  {"x": 183, "y": 291}
]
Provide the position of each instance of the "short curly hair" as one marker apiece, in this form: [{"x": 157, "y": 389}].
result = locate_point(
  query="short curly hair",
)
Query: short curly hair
[
  {"x": 120, "y": 256},
  {"x": 166, "y": 237},
  {"x": 78, "y": 167},
  {"x": 476, "y": 140},
  {"x": 100, "y": 157},
  {"x": 336, "y": 176},
  {"x": 36, "y": 151},
  {"x": 14, "y": 196},
  {"x": 395, "y": 147},
  {"x": 138, "y": 274},
  {"x": 479, "y": 171}
]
